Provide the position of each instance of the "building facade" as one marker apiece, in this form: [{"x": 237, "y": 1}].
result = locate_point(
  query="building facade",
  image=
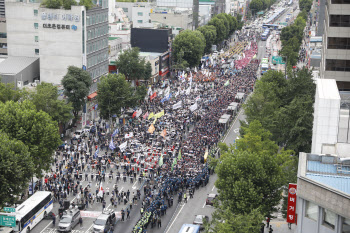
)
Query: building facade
[
  {"x": 173, "y": 18},
  {"x": 60, "y": 38},
  {"x": 335, "y": 62},
  {"x": 138, "y": 13}
]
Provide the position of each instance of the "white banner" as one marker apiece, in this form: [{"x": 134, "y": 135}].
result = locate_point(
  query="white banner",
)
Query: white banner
[
  {"x": 177, "y": 105},
  {"x": 194, "y": 107},
  {"x": 122, "y": 146}
]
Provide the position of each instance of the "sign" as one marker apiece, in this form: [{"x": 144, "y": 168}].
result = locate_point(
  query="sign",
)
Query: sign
[
  {"x": 64, "y": 17},
  {"x": 292, "y": 200},
  {"x": 60, "y": 26},
  {"x": 8, "y": 209},
  {"x": 277, "y": 60},
  {"x": 7, "y": 221}
]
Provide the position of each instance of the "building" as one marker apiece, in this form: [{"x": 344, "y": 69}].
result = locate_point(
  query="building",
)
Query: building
[
  {"x": 335, "y": 63},
  {"x": 153, "y": 58},
  {"x": 60, "y": 38},
  {"x": 151, "y": 40},
  {"x": 139, "y": 13},
  {"x": 175, "y": 18},
  {"x": 115, "y": 45},
  {"x": 323, "y": 193},
  {"x": 119, "y": 25},
  {"x": 20, "y": 70}
]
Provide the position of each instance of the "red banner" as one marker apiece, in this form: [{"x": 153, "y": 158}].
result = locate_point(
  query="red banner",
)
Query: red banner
[
  {"x": 153, "y": 96},
  {"x": 292, "y": 201}
]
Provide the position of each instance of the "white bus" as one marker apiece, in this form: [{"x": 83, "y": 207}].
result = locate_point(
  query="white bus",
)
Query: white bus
[{"x": 32, "y": 211}]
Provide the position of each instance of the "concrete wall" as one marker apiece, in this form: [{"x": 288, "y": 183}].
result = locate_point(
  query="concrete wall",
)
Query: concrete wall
[
  {"x": 3, "y": 41},
  {"x": 183, "y": 20},
  {"x": 145, "y": 11},
  {"x": 27, "y": 75}
]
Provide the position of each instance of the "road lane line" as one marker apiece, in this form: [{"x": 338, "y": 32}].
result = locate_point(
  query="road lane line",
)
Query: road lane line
[
  {"x": 205, "y": 203},
  {"x": 213, "y": 188},
  {"x": 175, "y": 218},
  {"x": 46, "y": 227},
  {"x": 233, "y": 124}
]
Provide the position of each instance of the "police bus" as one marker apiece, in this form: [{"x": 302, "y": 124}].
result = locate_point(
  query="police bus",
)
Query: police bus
[{"x": 32, "y": 211}]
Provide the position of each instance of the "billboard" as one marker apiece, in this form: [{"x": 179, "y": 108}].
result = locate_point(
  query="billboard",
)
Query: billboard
[
  {"x": 150, "y": 40},
  {"x": 292, "y": 200}
]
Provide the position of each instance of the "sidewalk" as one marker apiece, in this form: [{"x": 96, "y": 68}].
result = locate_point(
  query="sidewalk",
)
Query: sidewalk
[{"x": 281, "y": 226}]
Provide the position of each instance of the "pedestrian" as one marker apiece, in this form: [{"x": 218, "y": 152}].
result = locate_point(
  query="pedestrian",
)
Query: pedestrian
[
  {"x": 81, "y": 222},
  {"x": 267, "y": 222},
  {"x": 53, "y": 219},
  {"x": 127, "y": 214},
  {"x": 159, "y": 221},
  {"x": 141, "y": 211},
  {"x": 123, "y": 214},
  {"x": 185, "y": 197},
  {"x": 103, "y": 205},
  {"x": 270, "y": 230}
]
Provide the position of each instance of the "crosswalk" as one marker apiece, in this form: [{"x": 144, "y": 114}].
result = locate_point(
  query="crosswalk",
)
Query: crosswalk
[{"x": 54, "y": 230}]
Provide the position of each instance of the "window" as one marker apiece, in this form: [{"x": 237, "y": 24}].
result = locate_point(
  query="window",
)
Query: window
[
  {"x": 36, "y": 25},
  {"x": 337, "y": 65},
  {"x": 36, "y": 38},
  {"x": 140, "y": 13},
  {"x": 346, "y": 225},
  {"x": 340, "y": 1},
  {"x": 329, "y": 218},
  {"x": 3, "y": 35},
  {"x": 125, "y": 10},
  {"x": 36, "y": 51},
  {"x": 338, "y": 43},
  {"x": 311, "y": 210},
  {"x": 3, "y": 45},
  {"x": 35, "y": 12},
  {"x": 139, "y": 21},
  {"x": 164, "y": 17},
  {"x": 339, "y": 20}
]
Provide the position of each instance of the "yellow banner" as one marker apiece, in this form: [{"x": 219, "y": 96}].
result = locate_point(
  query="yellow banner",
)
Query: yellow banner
[{"x": 151, "y": 115}]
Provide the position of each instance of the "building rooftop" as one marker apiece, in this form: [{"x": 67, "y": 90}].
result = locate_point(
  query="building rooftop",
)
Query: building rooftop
[
  {"x": 14, "y": 65},
  {"x": 327, "y": 89},
  {"x": 329, "y": 170},
  {"x": 152, "y": 55}
]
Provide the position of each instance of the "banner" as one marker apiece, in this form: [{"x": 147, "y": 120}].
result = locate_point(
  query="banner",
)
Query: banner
[
  {"x": 179, "y": 157},
  {"x": 227, "y": 83},
  {"x": 194, "y": 107},
  {"x": 163, "y": 134},
  {"x": 153, "y": 96},
  {"x": 129, "y": 135},
  {"x": 138, "y": 112},
  {"x": 122, "y": 146},
  {"x": 188, "y": 91},
  {"x": 159, "y": 114},
  {"x": 111, "y": 145},
  {"x": 149, "y": 91},
  {"x": 292, "y": 200},
  {"x": 134, "y": 114},
  {"x": 116, "y": 131},
  {"x": 160, "y": 162},
  {"x": 146, "y": 115},
  {"x": 198, "y": 98}
]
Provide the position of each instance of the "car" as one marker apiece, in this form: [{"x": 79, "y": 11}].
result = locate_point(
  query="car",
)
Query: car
[
  {"x": 210, "y": 199},
  {"x": 105, "y": 222},
  {"x": 69, "y": 220},
  {"x": 199, "y": 220},
  {"x": 78, "y": 134},
  {"x": 88, "y": 129}
]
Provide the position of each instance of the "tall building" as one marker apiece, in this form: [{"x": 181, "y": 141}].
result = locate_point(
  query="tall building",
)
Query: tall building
[
  {"x": 3, "y": 34},
  {"x": 335, "y": 63},
  {"x": 59, "y": 37}
]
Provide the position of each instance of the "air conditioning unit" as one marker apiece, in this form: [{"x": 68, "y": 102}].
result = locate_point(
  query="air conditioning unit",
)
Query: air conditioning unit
[{"x": 19, "y": 84}]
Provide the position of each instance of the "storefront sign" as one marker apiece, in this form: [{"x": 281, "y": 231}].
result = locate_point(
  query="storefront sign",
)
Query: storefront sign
[
  {"x": 165, "y": 57},
  {"x": 60, "y": 26},
  {"x": 156, "y": 63},
  {"x": 65, "y": 17},
  {"x": 292, "y": 200}
]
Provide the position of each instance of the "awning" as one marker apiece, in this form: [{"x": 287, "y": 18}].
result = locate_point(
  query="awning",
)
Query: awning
[{"x": 93, "y": 95}]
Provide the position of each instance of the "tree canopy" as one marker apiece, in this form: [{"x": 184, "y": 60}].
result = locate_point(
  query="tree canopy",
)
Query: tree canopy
[
  {"x": 189, "y": 46},
  {"x": 114, "y": 93},
  {"x": 46, "y": 99},
  {"x": 209, "y": 33},
  {"x": 132, "y": 66},
  {"x": 16, "y": 169},
  {"x": 76, "y": 84},
  {"x": 36, "y": 129}
]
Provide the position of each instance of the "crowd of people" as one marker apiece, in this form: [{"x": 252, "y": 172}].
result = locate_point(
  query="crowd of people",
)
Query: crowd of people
[{"x": 162, "y": 146}]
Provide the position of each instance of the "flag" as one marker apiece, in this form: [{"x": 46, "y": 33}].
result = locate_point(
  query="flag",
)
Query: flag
[
  {"x": 177, "y": 105},
  {"x": 160, "y": 162},
  {"x": 179, "y": 157},
  {"x": 138, "y": 112},
  {"x": 111, "y": 145},
  {"x": 227, "y": 83},
  {"x": 212, "y": 85},
  {"x": 100, "y": 192},
  {"x": 177, "y": 93},
  {"x": 153, "y": 96},
  {"x": 151, "y": 115},
  {"x": 195, "y": 89},
  {"x": 194, "y": 107},
  {"x": 149, "y": 91},
  {"x": 129, "y": 135},
  {"x": 146, "y": 115},
  {"x": 195, "y": 69},
  {"x": 116, "y": 131},
  {"x": 167, "y": 91},
  {"x": 96, "y": 153},
  {"x": 134, "y": 114},
  {"x": 163, "y": 134},
  {"x": 151, "y": 129},
  {"x": 159, "y": 114},
  {"x": 198, "y": 98},
  {"x": 122, "y": 146},
  {"x": 188, "y": 91},
  {"x": 155, "y": 120}
]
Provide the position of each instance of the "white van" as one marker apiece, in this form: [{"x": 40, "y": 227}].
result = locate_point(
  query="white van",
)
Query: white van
[{"x": 69, "y": 220}]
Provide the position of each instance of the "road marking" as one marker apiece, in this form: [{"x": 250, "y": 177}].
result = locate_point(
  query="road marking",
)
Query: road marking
[
  {"x": 236, "y": 130},
  {"x": 233, "y": 124},
  {"x": 213, "y": 188},
  {"x": 46, "y": 227},
  {"x": 134, "y": 185},
  {"x": 205, "y": 203},
  {"x": 175, "y": 218}
]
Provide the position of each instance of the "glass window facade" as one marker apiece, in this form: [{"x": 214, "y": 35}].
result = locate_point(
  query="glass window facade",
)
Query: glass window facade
[
  {"x": 337, "y": 65},
  {"x": 311, "y": 210},
  {"x": 339, "y": 20},
  {"x": 329, "y": 218}
]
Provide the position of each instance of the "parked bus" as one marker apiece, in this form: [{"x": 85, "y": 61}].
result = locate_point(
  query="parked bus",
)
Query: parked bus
[
  {"x": 32, "y": 211},
  {"x": 264, "y": 65},
  {"x": 265, "y": 35},
  {"x": 189, "y": 228}
]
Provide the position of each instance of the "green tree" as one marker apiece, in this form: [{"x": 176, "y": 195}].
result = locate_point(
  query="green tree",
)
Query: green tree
[
  {"x": 36, "y": 129},
  {"x": 52, "y": 4},
  {"x": 189, "y": 46},
  {"x": 132, "y": 66},
  {"x": 76, "y": 84},
  {"x": 220, "y": 29},
  {"x": 67, "y": 4},
  {"x": 46, "y": 99},
  {"x": 239, "y": 22},
  {"x": 223, "y": 17},
  {"x": 16, "y": 169},
  {"x": 8, "y": 92},
  {"x": 114, "y": 93},
  {"x": 209, "y": 33},
  {"x": 226, "y": 221},
  {"x": 87, "y": 3},
  {"x": 256, "y": 6}
]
